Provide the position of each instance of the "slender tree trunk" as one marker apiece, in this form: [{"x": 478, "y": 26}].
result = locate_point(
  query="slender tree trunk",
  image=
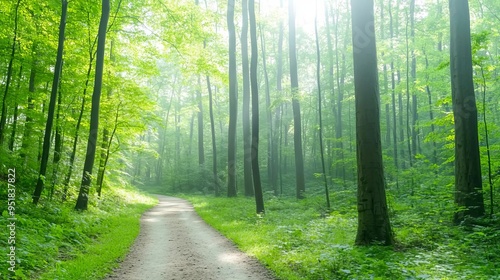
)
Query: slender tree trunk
[
  {"x": 102, "y": 168},
  {"x": 373, "y": 218},
  {"x": 297, "y": 124},
  {"x": 214, "y": 143},
  {"x": 271, "y": 157},
  {"x": 106, "y": 141},
  {"x": 83, "y": 196},
  {"x": 393, "y": 98},
  {"x": 339, "y": 129},
  {"x": 78, "y": 123},
  {"x": 320, "y": 131},
  {"x": 14, "y": 117},
  {"x": 431, "y": 112},
  {"x": 247, "y": 137},
  {"x": 414, "y": 127},
  {"x": 52, "y": 104},
  {"x": 233, "y": 103},
  {"x": 201, "y": 146},
  {"x": 468, "y": 182},
  {"x": 259, "y": 200},
  {"x": 279, "y": 110},
  {"x": 58, "y": 145}
]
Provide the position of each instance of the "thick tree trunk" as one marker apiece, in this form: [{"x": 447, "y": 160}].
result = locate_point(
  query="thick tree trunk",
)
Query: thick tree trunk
[
  {"x": 297, "y": 123},
  {"x": 468, "y": 182},
  {"x": 259, "y": 200},
  {"x": 373, "y": 217},
  {"x": 233, "y": 103},
  {"x": 83, "y": 196},
  {"x": 52, "y": 104}
]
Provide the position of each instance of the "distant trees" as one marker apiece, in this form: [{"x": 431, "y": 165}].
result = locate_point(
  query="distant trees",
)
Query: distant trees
[{"x": 373, "y": 217}]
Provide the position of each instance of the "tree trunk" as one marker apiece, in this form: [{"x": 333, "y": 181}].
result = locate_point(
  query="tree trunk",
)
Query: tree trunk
[
  {"x": 106, "y": 140},
  {"x": 78, "y": 123},
  {"x": 320, "y": 131},
  {"x": 279, "y": 111},
  {"x": 271, "y": 156},
  {"x": 233, "y": 103},
  {"x": 297, "y": 124},
  {"x": 247, "y": 137},
  {"x": 16, "y": 110},
  {"x": 373, "y": 218},
  {"x": 214, "y": 143},
  {"x": 58, "y": 144},
  {"x": 468, "y": 182},
  {"x": 83, "y": 196},
  {"x": 259, "y": 200},
  {"x": 52, "y": 104},
  {"x": 201, "y": 147}
]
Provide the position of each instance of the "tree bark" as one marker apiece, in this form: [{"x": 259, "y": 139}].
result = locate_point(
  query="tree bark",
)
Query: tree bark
[
  {"x": 214, "y": 143},
  {"x": 83, "y": 196},
  {"x": 468, "y": 182},
  {"x": 247, "y": 136},
  {"x": 373, "y": 217},
  {"x": 259, "y": 199},
  {"x": 52, "y": 104},
  {"x": 297, "y": 124},
  {"x": 320, "y": 131},
  {"x": 233, "y": 103}
]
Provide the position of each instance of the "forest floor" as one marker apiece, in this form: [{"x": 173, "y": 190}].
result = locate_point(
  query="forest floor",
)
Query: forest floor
[{"x": 175, "y": 243}]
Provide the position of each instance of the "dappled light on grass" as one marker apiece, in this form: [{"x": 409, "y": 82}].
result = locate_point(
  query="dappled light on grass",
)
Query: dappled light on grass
[{"x": 298, "y": 240}]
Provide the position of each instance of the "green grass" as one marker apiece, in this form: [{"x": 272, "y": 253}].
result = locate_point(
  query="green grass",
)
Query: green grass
[
  {"x": 56, "y": 242},
  {"x": 296, "y": 240}
]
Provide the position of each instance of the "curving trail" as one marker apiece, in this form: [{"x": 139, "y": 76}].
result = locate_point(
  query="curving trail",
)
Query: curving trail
[{"x": 175, "y": 243}]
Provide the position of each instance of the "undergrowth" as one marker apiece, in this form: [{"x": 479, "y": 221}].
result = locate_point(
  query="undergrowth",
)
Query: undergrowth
[
  {"x": 300, "y": 240},
  {"x": 53, "y": 241}
]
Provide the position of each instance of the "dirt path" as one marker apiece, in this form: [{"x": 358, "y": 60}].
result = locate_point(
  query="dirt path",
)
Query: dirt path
[{"x": 175, "y": 243}]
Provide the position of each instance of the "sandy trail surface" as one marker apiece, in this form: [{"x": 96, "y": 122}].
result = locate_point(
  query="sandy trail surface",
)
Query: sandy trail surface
[{"x": 175, "y": 243}]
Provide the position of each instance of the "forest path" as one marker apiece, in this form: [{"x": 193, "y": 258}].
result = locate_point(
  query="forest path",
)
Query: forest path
[{"x": 175, "y": 243}]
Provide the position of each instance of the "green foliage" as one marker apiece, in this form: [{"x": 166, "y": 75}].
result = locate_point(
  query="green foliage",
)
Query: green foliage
[
  {"x": 297, "y": 240},
  {"x": 54, "y": 242}
]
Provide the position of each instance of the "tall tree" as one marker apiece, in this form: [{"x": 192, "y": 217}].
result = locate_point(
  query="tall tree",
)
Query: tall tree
[
  {"x": 233, "y": 103},
  {"x": 247, "y": 136},
  {"x": 82, "y": 201},
  {"x": 201, "y": 146},
  {"x": 259, "y": 200},
  {"x": 468, "y": 182},
  {"x": 373, "y": 218},
  {"x": 297, "y": 123},
  {"x": 52, "y": 105},
  {"x": 320, "y": 130},
  {"x": 214, "y": 143}
]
